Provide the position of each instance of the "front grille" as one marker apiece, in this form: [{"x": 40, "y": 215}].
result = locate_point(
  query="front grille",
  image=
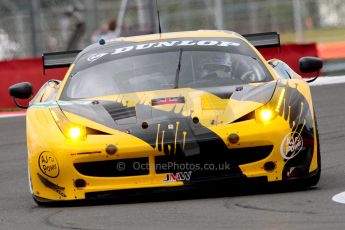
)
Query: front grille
[
  {"x": 114, "y": 168},
  {"x": 219, "y": 160}
]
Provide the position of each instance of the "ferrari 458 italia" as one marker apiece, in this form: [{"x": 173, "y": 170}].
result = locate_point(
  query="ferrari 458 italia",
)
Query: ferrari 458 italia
[{"x": 169, "y": 110}]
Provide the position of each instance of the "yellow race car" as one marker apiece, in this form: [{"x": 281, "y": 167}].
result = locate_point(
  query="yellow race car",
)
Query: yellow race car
[{"x": 169, "y": 110}]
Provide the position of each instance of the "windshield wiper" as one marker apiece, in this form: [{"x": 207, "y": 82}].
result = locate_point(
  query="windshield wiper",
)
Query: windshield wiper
[{"x": 177, "y": 76}]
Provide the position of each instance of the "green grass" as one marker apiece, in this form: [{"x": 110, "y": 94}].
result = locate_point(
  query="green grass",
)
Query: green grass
[{"x": 317, "y": 35}]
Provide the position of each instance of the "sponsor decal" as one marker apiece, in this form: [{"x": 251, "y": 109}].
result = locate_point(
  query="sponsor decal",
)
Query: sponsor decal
[
  {"x": 179, "y": 176},
  {"x": 167, "y": 101},
  {"x": 48, "y": 164},
  {"x": 95, "y": 57},
  {"x": 291, "y": 145},
  {"x": 174, "y": 43},
  {"x": 52, "y": 186},
  {"x": 160, "y": 44},
  {"x": 60, "y": 193}
]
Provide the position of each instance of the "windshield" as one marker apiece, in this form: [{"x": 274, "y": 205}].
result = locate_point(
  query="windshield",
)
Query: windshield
[{"x": 159, "y": 70}]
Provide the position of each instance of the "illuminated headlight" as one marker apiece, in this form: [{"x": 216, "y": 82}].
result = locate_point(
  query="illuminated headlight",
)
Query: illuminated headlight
[
  {"x": 76, "y": 132},
  {"x": 265, "y": 115},
  {"x": 268, "y": 112},
  {"x": 280, "y": 100},
  {"x": 70, "y": 130}
]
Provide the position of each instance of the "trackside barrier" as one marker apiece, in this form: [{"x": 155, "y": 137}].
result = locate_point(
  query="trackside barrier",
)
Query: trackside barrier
[
  {"x": 333, "y": 55},
  {"x": 291, "y": 53},
  {"x": 19, "y": 70}
]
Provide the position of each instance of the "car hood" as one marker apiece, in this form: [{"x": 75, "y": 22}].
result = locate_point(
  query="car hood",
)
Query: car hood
[
  {"x": 195, "y": 110},
  {"x": 211, "y": 106}
]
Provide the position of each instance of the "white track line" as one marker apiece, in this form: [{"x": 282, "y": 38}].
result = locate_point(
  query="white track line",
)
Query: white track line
[
  {"x": 6, "y": 115},
  {"x": 328, "y": 80},
  {"x": 339, "y": 198}
]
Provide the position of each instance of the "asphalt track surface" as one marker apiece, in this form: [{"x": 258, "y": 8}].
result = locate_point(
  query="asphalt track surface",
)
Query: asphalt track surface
[{"x": 201, "y": 209}]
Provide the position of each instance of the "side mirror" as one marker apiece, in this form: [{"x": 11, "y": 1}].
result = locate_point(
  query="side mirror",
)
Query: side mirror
[
  {"x": 22, "y": 90},
  {"x": 310, "y": 64}
]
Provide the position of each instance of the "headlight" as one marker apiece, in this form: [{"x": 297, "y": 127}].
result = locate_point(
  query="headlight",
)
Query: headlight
[
  {"x": 268, "y": 112},
  {"x": 266, "y": 115},
  {"x": 76, "y": 132},
  {"x": 71, "y": 130},
  {"x": 280, "y": 100}
]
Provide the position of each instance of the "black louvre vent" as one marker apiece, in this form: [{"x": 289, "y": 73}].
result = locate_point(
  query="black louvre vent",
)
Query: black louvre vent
[
  {"x": 232, "y": 157},
  {"x": 118, "y": 111},
  {"x": 114, "y": 168}
]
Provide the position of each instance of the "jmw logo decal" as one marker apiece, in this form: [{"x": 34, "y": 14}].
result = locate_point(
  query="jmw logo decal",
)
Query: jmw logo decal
[{"x": 179, "y": 176}]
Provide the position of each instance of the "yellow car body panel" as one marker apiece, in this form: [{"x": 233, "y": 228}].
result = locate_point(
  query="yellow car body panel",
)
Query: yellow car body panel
[{"x": 53, "y": 158}]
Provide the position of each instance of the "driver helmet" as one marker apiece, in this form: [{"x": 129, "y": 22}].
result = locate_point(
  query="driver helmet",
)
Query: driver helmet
[{"x": 218, "y": 65}]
